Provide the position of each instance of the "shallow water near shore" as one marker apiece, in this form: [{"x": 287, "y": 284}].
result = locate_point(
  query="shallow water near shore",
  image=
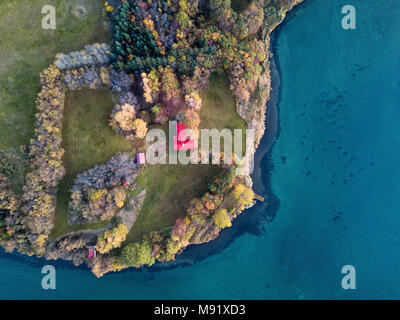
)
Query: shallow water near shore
[{"x": 335, "y": 173}]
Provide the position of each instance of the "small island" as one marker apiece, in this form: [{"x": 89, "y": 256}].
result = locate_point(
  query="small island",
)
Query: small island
[{"x": 83, "y": 189}]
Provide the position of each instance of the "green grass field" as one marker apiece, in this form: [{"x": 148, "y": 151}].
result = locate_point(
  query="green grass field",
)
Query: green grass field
[
  {"x": 219, "y": 108},
  {"x": 26, "y": 49},
  {"x": 88, "y": 140}
]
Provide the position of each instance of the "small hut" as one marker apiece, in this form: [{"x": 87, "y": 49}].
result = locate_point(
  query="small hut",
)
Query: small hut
[
  {"x": 141, "y": 158},
  {"x": 91, "y": 252}
]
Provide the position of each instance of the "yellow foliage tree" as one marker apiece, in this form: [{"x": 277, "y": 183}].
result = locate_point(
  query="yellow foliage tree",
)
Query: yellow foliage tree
[
  {"x": 111, "y": 239},
  {"x": 120, "y": 197},
  {"x": 140, "y": 128},
  {"x": 221, "y": 219},
  {"x": 244, "y": 195},
  {"x": 124, "y": 118}
]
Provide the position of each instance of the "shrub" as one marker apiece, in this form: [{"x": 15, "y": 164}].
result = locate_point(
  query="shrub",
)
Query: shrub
[
  {"x": 137, "y": 254},
  {"x": 222, "y": 219},
  {"x": 111, "y": 239},
  {"x": 140, "y": 128},
  {"x": 119, "y": 198},
  {"x": 96, "y": 194},
  {"x": 243, "y": 195}
]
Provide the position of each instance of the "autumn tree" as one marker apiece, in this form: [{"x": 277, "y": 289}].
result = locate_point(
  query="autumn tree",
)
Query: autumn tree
[
  {"x": 222, "y": 219},
  {"x": 243, "y": 195},
  {"x": 123, "y": 117},
  {"x": 111, "y": 239},
  {"x": 119, "y": 197},
  {"x": 192, "y": 120},
  {"x": 193, "y": 101},
  {"x": 124, "y": 121},
  {"x": 140, "y": 128},
  {"x": 137, "y": 254},
  {"x": 151, "y": 85}
]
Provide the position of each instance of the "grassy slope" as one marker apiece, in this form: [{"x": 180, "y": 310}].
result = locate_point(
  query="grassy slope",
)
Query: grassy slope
[
  {"x": 88, "y": 140},
  {"x": 26, "y": 49}
]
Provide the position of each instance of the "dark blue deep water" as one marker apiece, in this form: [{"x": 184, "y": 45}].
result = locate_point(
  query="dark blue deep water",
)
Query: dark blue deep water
[{"x": 335, "y": 173}]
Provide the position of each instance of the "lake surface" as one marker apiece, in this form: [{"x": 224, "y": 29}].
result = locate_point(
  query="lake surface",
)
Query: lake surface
[{"x": 335, "y": 173}]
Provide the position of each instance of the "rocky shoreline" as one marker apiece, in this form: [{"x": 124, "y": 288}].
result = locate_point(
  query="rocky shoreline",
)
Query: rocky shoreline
[{"x": 255, "y": 110}]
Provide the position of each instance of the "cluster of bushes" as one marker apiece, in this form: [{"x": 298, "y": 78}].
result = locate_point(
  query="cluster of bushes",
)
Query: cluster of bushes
[
  {"x": 133, "y": 42},
  {"x": 138, "y": 254},
  {"x": 28, "y": 214},
  {"x": 120, "y": 81},
  {"x": 46, "y": 169},
  {"x": 13, "y": 167},
  {"x": 125, "y": 122},
  {"x": 162, "y": 69},
  {"x": 98, "y": 193},
  {"x": 96, "y": 77},
  {"x": 181, "y": 44},
  {"x": 92, "y": 55},
  {"x": 93, "y": 205},
  {"x": 242, "y": 53},
  {"x": 72, "y": 247},
  {"x": 112, "y": 238},
  {"x": 153, "y": 34},
  {"x": 241, "y": 25},
  {"x": 92, "y": 77},
  {"x": 29, "y": 177}
]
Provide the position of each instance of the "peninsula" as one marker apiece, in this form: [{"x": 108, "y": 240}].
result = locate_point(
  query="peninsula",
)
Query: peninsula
[{"x": 84, "y": 189}]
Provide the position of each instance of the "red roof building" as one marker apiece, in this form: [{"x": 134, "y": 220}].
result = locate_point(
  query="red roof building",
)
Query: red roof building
[
  {"x": 181, "y": 140},
  {"x": 91, "y": 252}
]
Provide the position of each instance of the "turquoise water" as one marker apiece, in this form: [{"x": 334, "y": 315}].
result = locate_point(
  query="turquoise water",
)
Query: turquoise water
[
  {"x": 335, "y": 173},
  {"x": 339, "y": 187}
]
